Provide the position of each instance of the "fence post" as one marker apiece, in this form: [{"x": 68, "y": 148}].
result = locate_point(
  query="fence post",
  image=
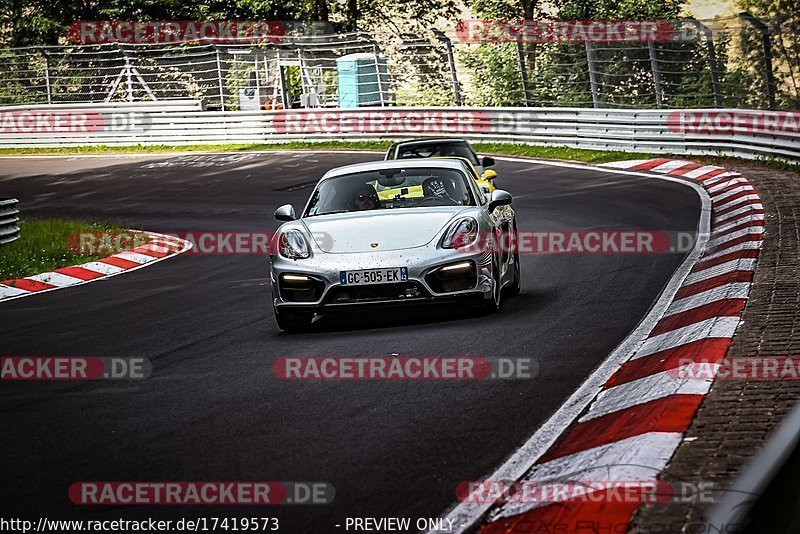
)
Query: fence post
[
  {"x": 651, "y": 47},
  {"x": 451, "y": 62},
  {"x": 378, "y": 74},
  {"x": 219, "y": 78},
  {"x": 592, "y": 73},
  {"x": 128, "y": 76},
  {"x": 712, "y": 59},
  {"x": 766, "y": 42},
  {"x": 523, "y": 71},
  {"x": 47, "y": 77}
]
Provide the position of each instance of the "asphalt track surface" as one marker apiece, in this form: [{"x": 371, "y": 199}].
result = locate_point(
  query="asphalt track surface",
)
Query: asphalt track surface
[{"x": 213, "y": 411}]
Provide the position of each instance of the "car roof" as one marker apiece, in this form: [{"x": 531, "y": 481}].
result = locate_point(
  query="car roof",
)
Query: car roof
[
  {"x": 440, "y": 163},
  {"x": 431, "y": 141}
]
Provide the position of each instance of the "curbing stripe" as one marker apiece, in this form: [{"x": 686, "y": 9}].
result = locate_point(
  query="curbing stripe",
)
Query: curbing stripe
[
  {"x": 80, "y": 273},
  {"x": 710, "y": 349},
  {"x": 646, "y": 397},
  {"x": 646, "y": 389},
  {"x": 661, "y": 415},
  {"x": 725, "y": 307},
  {"x": 95, "y": 270},
  {"x": 728, "y": 291}
]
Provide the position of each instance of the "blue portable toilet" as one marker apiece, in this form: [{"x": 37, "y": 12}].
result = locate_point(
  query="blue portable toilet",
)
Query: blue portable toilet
[{"x": 363, "y": 80}]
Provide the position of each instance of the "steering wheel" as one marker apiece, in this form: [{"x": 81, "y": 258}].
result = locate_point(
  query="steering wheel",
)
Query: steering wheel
[{"x": 449, "y": 201}]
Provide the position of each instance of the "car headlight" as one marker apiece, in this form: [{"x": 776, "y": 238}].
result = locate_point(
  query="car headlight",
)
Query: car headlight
[
  {"x": 293, "y": 245},
  {"x": 462, "y": 233}
]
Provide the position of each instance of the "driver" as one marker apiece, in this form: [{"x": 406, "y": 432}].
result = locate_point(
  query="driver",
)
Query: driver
[{"x": 439, "y": 187}]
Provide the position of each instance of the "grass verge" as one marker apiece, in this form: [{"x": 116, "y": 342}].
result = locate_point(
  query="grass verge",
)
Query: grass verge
[
  {"x": 43, "y": 246},
  {"x": 509, "y": 149},
  {"x": 564, "y": 153}
]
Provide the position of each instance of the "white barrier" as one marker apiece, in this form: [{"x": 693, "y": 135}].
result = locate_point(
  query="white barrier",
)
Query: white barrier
[{"x": 731, "y": 132}]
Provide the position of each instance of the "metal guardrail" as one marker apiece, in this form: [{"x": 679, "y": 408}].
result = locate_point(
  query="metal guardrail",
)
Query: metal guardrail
[
  {"x": 177, "y": 105},
  {"x": 9, "y": 231},
  {"x": 726, "y": 132}
]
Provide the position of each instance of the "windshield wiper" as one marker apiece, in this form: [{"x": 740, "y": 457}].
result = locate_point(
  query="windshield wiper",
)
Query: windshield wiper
[{"x": 332, "y": 212}]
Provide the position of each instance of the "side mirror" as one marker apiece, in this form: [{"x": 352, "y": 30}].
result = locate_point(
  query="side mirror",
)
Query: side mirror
[
  {"x": 285, "y": 213},
  {"x": 487, "y": 161},
  {"x": 499, "y": 198},
  {"x": 489, "y": 175}
]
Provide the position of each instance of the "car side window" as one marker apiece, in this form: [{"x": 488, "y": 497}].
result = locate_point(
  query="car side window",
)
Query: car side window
[{"x": 476, "y": 189}]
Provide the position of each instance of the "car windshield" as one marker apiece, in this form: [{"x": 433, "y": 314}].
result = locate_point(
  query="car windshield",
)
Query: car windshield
[
  {"x": 437, "y": 150},
  {"x": 390, "y": 189}
]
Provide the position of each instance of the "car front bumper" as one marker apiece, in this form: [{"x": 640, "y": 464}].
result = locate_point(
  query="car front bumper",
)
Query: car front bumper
[{"x": 325, "y": 269}]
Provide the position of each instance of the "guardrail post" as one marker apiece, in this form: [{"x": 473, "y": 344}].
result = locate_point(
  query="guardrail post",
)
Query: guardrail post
[
  {"x": 220, "y": 81},
  {"x": 523, "y": 71},
  {"x": 592, "y": 73},
  {"x": 451, "y": 62},
  {"x": 651, "y": 47},
  {"x": 766, "y": 42}
]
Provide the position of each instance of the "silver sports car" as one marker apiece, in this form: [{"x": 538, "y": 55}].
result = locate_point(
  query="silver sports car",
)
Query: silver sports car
[{"x": 390, "y": 233}]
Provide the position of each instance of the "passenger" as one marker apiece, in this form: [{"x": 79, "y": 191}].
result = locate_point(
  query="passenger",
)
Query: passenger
[{"x": 366, "y": 198}]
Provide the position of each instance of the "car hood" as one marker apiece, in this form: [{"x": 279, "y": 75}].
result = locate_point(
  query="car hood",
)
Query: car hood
[{"x": 396, "y": 229}]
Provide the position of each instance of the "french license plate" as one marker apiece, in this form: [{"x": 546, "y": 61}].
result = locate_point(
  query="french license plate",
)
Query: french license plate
[{"x": 366, "y": 277}]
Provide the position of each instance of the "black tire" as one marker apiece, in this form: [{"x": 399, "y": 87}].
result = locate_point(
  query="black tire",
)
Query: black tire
[
  {"x": 514, "y": 289},
  {"x": 293, "y": 322},
  {"x": 492, "y": 305}
]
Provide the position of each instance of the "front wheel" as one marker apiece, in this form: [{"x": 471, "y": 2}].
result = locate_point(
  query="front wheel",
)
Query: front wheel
[
  {"x": 492, "y": 305},
  {"x": 515, "y": 288}
]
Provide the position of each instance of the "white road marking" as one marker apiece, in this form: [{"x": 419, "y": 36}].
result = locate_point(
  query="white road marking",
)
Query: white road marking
[
  {"x": 639, "y": 458},
  {"x": 55, "y": 279},
  {"x": 735, "y": 191},
  {"x": 697, "y": 173},
  {"x": 741, "y": 264},
  {"x": 670, "y": 166},
  {"x": 722, "y": 228},
  {"x": 718, "y": 187},
  {"x": 714, "y": 327},
  {"x": 134, "y": 257},
  {"x": 100, "y": 267},
  {"x": 735, "y": 290},
  {"x": 737, "y": 212},
  {"x": 734, "y": 248},
  {"x": 646, "y": 389},
  {"x": 717, "y": 241},
  {"x": 720, "y": 177},
  {"x": 8, "y": 291},
  {"x": 737, "y": 201}
]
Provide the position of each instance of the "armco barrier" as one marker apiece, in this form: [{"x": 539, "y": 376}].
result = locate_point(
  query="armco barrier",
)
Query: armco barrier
[
  {"x": 731, "y": 132},
  {"x": 9, "y": 231}
]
